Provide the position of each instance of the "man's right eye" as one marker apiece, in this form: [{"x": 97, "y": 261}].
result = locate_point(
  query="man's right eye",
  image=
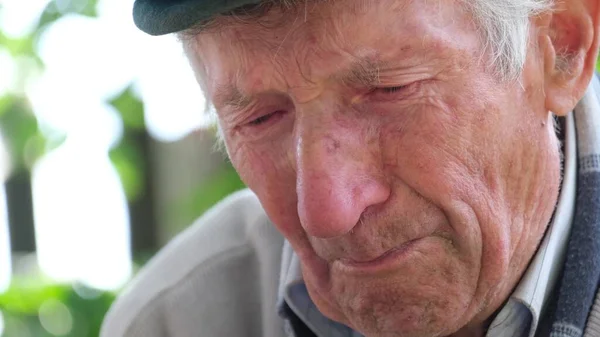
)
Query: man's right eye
[{"x": 264, "y": 119}]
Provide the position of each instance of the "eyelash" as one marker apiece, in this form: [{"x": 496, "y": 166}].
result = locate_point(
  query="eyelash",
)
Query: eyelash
[
  {"x": 265, "y": 118},
  {"x": 389, "y": 90},
  {"x": 260, "y": 120}
]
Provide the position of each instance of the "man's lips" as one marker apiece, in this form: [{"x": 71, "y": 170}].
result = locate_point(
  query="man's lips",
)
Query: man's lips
[{"x": 382, "y": 262}]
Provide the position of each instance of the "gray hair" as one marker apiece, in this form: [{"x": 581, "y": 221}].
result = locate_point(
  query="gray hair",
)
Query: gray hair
[{"x": 503, "y": 24}]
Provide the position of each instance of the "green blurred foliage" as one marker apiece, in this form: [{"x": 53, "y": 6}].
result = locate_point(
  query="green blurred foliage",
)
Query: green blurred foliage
[
  {"x": 24, "y": 46},
  {"x": 19, "y": 127},
  {"x": 18, "y": 124},
  {"x": 22, "y": 135},
  {"x": 25, "y": 306},
  {"x": 130, "y": 108},
  {"x": 127, "y": 160},
  {"x": 31, "y": 301},
  {"x": 127, "y": 155},
  {"x": 57, "y": 8},
  {"x": 35, "y": 308}
]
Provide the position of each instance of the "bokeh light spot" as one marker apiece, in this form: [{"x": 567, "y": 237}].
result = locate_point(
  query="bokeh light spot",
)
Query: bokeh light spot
[
  {"x": 56, "y": 317},
  {"x": 19, "y": 18},
  {"x": 69, "y": 184},
  {"x": 174, "y": 104},
  {"x": 86, "y": 292}
]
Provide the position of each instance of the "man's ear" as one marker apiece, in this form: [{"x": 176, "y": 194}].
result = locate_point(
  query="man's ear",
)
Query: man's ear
[{"x": 570, "y": 52}]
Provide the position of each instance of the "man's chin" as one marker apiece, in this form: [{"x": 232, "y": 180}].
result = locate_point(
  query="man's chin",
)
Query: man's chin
[
  {"x": 384, "y": 309},
  {"x": 409, "y": 302}
]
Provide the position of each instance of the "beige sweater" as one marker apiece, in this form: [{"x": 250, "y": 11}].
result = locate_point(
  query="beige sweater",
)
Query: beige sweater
[{"x": 218, "y": 278}]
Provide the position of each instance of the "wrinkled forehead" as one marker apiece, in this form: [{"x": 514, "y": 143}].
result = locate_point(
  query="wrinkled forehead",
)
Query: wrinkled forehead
[{"x": 304, "y": 45}]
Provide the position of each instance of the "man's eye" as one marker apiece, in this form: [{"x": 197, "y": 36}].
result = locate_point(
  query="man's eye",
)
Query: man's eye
[
  {"x": 260, "y": 120},
  {"x": 383, "y": 94},
  {"x": 391, "y": 90},
  {"x": 266, "y": 118}
]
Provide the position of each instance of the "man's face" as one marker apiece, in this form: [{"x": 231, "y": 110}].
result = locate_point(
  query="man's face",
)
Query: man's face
[{"x": 413, "y": 183}]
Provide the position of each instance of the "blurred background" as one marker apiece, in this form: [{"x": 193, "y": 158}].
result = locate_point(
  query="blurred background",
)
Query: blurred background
[{"x": 106, "y": 153}]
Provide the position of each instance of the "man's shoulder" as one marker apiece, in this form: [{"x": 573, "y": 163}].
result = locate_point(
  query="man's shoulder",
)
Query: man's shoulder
[{"x": 226, "y": 264}]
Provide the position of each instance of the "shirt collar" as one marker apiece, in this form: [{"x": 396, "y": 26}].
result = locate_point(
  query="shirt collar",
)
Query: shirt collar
[{"x": 521, "y": 313}]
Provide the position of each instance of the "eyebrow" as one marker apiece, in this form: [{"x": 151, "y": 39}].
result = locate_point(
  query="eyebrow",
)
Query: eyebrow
[
  {"x": 361, "y": 72},
  {"x": 230, "y": 95}
]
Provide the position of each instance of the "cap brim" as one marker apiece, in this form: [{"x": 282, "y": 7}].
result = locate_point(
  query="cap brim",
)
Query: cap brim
[{"x": 159, "y": 17}]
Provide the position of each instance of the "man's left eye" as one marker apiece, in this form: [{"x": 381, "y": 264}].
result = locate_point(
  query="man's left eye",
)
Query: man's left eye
[
  {"x": 391, "y": 93},
  {"x": 392, "y": 90}
]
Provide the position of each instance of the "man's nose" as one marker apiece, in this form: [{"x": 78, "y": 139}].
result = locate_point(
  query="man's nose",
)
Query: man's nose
[{"x": 338, "y": 178}]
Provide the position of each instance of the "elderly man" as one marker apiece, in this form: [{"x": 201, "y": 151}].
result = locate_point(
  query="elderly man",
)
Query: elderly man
[{"x": 417, "y": 168}]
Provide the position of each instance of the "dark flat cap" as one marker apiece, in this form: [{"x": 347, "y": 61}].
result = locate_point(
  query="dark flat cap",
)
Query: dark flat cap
[{"x": 159, "y": 17}]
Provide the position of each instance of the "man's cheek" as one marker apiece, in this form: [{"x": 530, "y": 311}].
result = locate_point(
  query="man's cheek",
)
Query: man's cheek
[
  {"x": 270, "y": 175},
  {"x": 436, "y": 157},
  {"x": 413, "y": 133},
  {"x": 257, "y": 164}
]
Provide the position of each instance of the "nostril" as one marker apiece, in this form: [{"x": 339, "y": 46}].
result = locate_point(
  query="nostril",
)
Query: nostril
[{"x": 373, "y": 209}]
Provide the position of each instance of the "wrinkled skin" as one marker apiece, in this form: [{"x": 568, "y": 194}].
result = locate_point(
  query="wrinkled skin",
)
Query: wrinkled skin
[{"x": 419, "y": 148}]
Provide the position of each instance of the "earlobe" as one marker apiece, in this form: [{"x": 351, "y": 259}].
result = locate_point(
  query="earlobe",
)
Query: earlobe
[
  {"x": 570, "y": 53},
  {"x": 566, "y": 82}
]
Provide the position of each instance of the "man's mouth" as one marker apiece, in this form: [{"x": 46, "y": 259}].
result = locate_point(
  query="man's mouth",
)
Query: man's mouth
[{"x": 384, "y": 262}]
